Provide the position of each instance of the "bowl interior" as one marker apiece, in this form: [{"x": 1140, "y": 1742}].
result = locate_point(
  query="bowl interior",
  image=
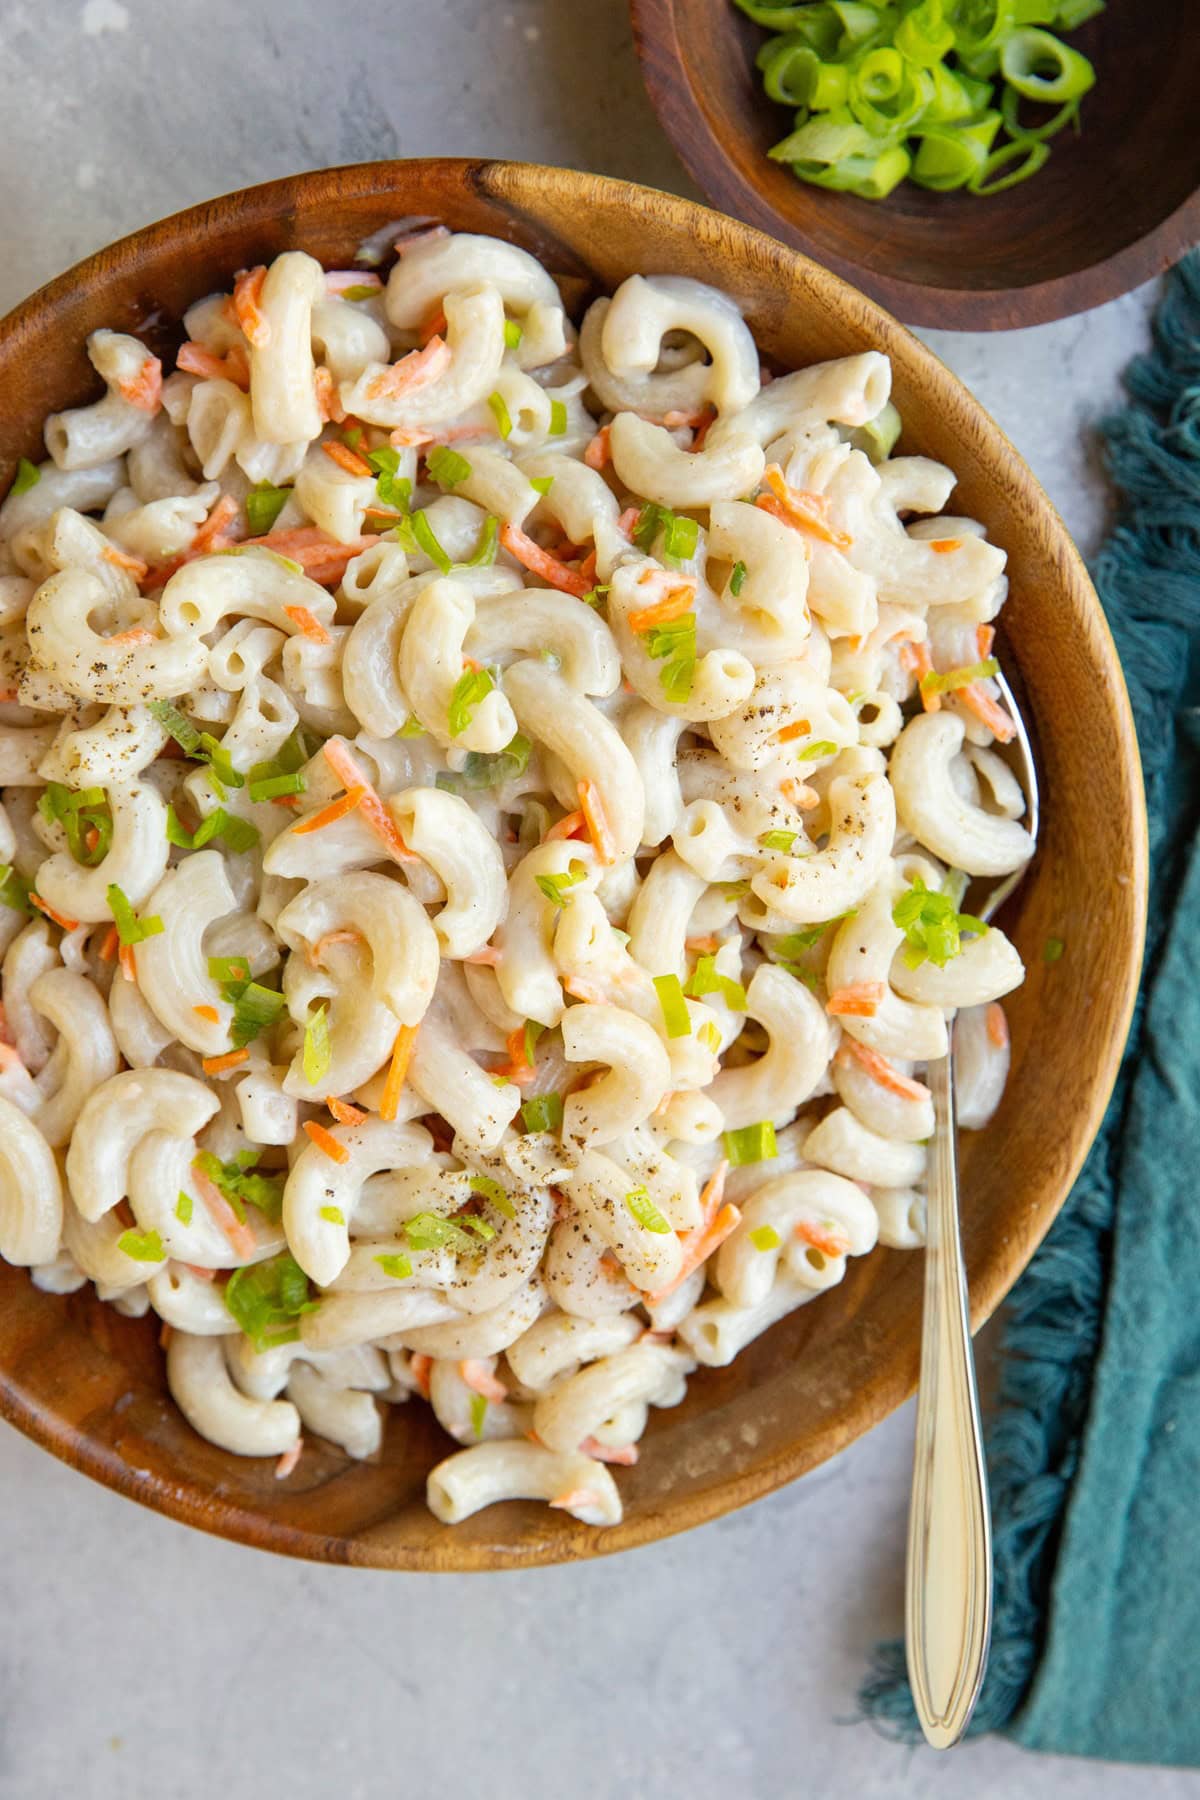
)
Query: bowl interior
[
  {"x": 1094, "y": 218},
  {"x": 89, "y": 1384}
]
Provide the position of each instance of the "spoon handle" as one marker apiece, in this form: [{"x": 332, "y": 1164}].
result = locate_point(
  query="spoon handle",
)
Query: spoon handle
[{"x": 948, "y": 1597}]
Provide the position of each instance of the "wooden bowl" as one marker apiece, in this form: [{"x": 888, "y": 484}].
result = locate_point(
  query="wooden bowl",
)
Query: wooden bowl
[
  {"x": 1111, "y": 208},
  {"x": 89, "y": 1384}
]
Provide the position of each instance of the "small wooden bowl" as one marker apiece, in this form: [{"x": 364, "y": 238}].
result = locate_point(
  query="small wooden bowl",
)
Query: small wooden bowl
[
  {"x": 1111, "y": 208},
  {"x": 89, "y": 1384}
]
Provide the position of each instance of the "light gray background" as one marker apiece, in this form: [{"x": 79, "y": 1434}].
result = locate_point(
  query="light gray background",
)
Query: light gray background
[{"x": 140, "y": 1659}]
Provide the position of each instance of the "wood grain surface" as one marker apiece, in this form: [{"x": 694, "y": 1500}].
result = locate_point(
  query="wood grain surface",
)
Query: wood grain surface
[
  {"x": 89, "y": 1385},
  {"x": 1112, "y": 207}
]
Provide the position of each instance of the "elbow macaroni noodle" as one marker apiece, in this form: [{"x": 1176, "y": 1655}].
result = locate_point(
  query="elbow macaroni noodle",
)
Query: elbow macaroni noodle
[{"x": 493, "y": 843}]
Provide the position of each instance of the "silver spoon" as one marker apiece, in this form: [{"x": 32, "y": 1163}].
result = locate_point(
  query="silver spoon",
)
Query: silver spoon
[{"x": 948, "y": 1589}]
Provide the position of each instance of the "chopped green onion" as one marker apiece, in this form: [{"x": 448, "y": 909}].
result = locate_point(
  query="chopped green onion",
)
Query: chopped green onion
[
  {"x": 710, "y": 1037},
  {"x": 429, "y": 1231},
  {"x": 933, "y": 925},
  {"x": 991, "y": 180},
  {"x": 558, "y": 418},
  {"x": 753, "y": 1143},
  {"x": 793, "y": 943},
  {"x": 411, "y": 728},
  {"x": 681, "y": 539},
  {"x": 485, "y": 550},
  {"x": 737, "y": 577},
  {"x": 541, "y": 484},
  {"x": 955, "y": 883},
  {"x": 492, "y": 1192},
  {"x": 264, "y": 504},
  {"x": 1041, "y": 67},
  {"x": 391, "y": 488},
  {"x": 360, "y": 293},
  {"x": 645, "y": 1212},
  {"x": 130, "y": 929},
  {"x": 255, "y": 1010},
  {"x": 14, "y": 891},
  {"x": 397, "y": 1266},
  {"x": 239, "y": 834},
  {"x": 142, "y": 1246},
  {"x": 272, "y": 787},
  {"x": 483, "y": 770},
  {"x": 554, "y": 886},
  {"x": 544, "y": 1112},
  {"x": 533, "y": 1032},
  {"x": 942, "y": 682},
  {"x": 822, "y": 747},
  {"x": 1053, "y": 950},
  {"x": 675, "y": 1014},
  {"x": 333, "y": 1215},
  {"x": 480, "y": 1227},
  {"x": 28, "y": 475},
  {"x": 472, "y": 687},
  {"x": 707, "y": 979},
  {"x": 478, "y": 1410},
  {"x": 765, "y": 1237},
  {"x": 240, "y": 1183},
  {"x": 184, "y": 1205},
  {"x": 878, "y": 437},
  {"x": 500, "y": 413},
  {"x": 778, "y": 840},
  {"x": 417, "y": 534},
  {"x": 179, "y": 727},
  {"x": 317, "y": 1055},
  {"x": 512, "y": 334},
  {"x": 266, "y": 1298},
  {"x": 595, "y": 596},
  {"x": 231, "y": 970},
  {"x": 447, "y": 467}
]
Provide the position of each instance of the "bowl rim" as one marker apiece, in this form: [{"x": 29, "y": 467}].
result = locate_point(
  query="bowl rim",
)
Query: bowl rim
[
  {"x": 1001, "y": 308},
  {"x": 505, "y": 181}
]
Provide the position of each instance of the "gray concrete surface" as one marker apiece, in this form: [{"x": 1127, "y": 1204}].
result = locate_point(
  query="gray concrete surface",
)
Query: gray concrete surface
[{"x": 140, "y": 1661}]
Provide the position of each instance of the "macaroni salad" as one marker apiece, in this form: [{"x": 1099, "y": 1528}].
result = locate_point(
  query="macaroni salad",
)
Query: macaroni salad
[{"x": 486, "y": 811}]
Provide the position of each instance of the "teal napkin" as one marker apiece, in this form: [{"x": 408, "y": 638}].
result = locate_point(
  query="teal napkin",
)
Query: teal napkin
[{"x": 1094, "y": 1446}]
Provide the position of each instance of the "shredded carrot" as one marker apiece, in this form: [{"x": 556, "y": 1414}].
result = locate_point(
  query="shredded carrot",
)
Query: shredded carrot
[
  {"x": 203, "y": 1274},
  {"x": 829, "y": 1243},
  {"x": 629, "y": 519},
  {"x": 56, "y": 918},
  {"x": 127, "y": 964},
  {"x": 122, "y": 560},
  {"x": 247, "y": 307},
  {"x": 346, "y": 934},
  {"x": 288, "y": 1460},
  {"x": 231, "y": 1059},
  {"x": 108, "y": 946},
  {"x": 145, "y": 390},
  {"x": 343, "y": 1112},
  {"x": 997, "y": 1025},
  {"x": 598, "y": 455},
  {"x": 411, "y": 437},
  {"x": 207, "y": 1012},
  {"x": 702, "y": 946},
  {"x": 575, "y": 1498},
  {"x": 194, "y": 359},
  {"x": 625, "y": 1454},
  {"x": 91, "y": 838},
  {"x": 402, "y": 1051},
  {"x": 307, "y": 624},
  {"x": 434, "y": 326},
  {"x": 421, "y": 1367},
  {"x": 321, "y": 557},
  {"x": 488, "y": 957},
  {"x": 581, "y": 989},
  {"x": 519, "y": 1069},
  {"x": 540, "y": 562},
  {"x": 917, "y": 660},
  {"x": 239, "y": 1234},
  {"x": 945, "y": 546},
  {"x": 701, "y": 433},
  {"x": 571, "y": 825},
  {"x": 797, "y": 728},
  {"x": 672, "y": 606},
  {"x": 698, "y": 1245},
  {"x": 326, "y": 1142},
  {"x": 374, "y": 811},
  {"x": 802, "y": 797},
  {"x": 329, "y": 404},
  {"x": 597, "y": 822},
  {"x": 881, "y": 1070},
  {"x": 861, "y": 1000},
  {"x": 347, "y": 459},
  {"x": 989, "y": 712},
  {"x": 213, "y": 534},
  {"x": 676, "y": 421},
  {"x": 337, "y": 809},
  {"x": 985, "y": 637},
  {"x": 480, "y": 1380},
  {"x": 415, "y": 370},
  {"x": 713, "y": 1193},
  {"x": 805, "y": 511}
]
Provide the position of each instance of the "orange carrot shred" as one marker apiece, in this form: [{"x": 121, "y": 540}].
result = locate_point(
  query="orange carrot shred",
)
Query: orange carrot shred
[
  {"x": 213, "y": 533},
  {"x": 337, "y": 809},
  {"x": 108, "y": 944},
  {"x": 862, "y": 999},
  {"x": 598, "y": 455},
  {"x": 575, "y": 1498},
  {"x": 997, "y": 1025},
  {"x": 540, "y": 562},
  {"x": 698, "y": 1245},
  {"x": 597, "y": 823},
  {"x": 520, "y": 1069},
  {"x": 671, "y": 606},
  {"x": 989, "y": 712},
  {"x": 402, "y": 1051},
  {"x": 421, "y": 1367},
  {"x": 945, "y": 546},
  {"x": 307, "y": 624},
  {"x": 829, "y": 1243},
  {"x": 985, "y": 637},
  {"x": 122, "y": 560},
  {"x": 345, "y": 935},
  {"x": 480, "y": 1380},
  {"x": 207, "y": 1012},
  {"x": 343, "y": 1111},
  {"x": 329, "y": 403},
  {"x": 322, "y": 558},
  {"x": 326, "y": 1142},
  {"x": 625, "y": 1454},
  {"x": 571, "y": 825},
  {"x": 415, "y": 370},
  {"x": 802, "y": 510},
  {"x": 239, "y": 1234},
  {"x": 348, "y": 459},
  {"x": 56, "y": 918},
  {"x": 434, "y": 326},
  {"x": 881, "y": 1070},
  {"x": 288, "y": 1460},
  {"x": 125, "y": 959},
  {"x": 231, "y": 1059},
  {"x": 797, "y": 728},
  {"x": 374, "y": 811},
  {"x": 247, "y": 306},
  {"x": 145, "y": 390}
]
